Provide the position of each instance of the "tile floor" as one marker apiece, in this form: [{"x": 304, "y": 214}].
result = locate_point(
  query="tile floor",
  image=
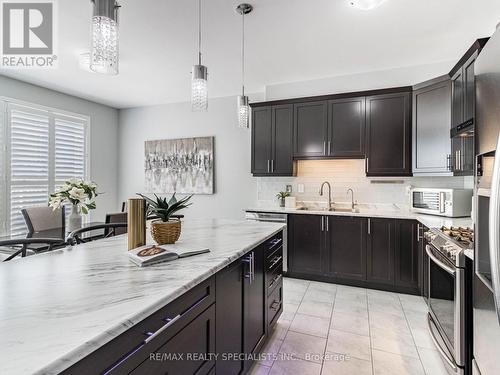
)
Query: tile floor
[{"x": 333, "y": 329}]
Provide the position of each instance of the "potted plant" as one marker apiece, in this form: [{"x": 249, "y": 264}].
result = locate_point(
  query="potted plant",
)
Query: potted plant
[
  {"x": 80, "y": 194},
  {"x": 281, "y": 196},
  {"x": 166, "y": 229}
]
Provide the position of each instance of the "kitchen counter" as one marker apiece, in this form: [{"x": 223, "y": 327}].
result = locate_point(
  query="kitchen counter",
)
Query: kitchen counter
[
  {"x": 58, "y": 307},
  {"x": 374, "y": 210}
]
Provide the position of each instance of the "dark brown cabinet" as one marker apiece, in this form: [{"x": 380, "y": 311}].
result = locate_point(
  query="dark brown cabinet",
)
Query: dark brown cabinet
[
  {"x": 457, "y": 98},
  {"x": 310, "y": 129},
  {"x": 306, "y": 244},
  {"x": 229, "y": 316},
  {"x": 407, "y": 254},
  {"x": 463, "y": 92},
  {"x": 388, "y": 135},
  {"x": 272, "y": 140},
  {"x": 346, "y": 128},
  {"x": 380, "y": 253},
  {"x": 346, "y": 247}
]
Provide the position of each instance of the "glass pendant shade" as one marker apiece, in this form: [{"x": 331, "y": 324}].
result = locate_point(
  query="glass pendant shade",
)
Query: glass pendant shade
[
  {"x": 104, "y": 55},
  {"x": 199, "y": 88},
  {"x": 243, "y": 112}
]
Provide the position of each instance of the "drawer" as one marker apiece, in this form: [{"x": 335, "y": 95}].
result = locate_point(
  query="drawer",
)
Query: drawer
[
  {"x": 274, "y": 258},
  {"x": 127, "y": 351},
  {"x": 186, "y": 353},
  {"x": 273, "y": 243},
  {"x": 274, "y": 277},
  {"x": 275, "y": 304}
]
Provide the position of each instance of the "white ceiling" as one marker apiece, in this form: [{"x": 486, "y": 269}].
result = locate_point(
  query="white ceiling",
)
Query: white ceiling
[{"x": 287, "y": 41}]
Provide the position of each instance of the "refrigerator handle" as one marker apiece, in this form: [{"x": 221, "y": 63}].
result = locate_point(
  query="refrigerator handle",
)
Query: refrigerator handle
[{"x": 494, "y": 232}]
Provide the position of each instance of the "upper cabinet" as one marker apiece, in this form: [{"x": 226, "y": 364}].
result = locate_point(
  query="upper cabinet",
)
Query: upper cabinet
[
  {"x": 346, "y": 128},
  {"x": 272, "y": 140},
  {"x": 310, "y": 129},
  {"x": 388, "y": 134},
  {"x": 431, "y": 128}
]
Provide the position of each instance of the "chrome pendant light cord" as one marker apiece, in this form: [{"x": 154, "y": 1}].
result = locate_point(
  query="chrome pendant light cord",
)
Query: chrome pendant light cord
[
  {"x": 199, "y": 32},
  {"x": 243, "y": 55}
]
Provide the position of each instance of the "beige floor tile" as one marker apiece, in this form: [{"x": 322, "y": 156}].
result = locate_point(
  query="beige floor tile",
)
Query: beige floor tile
[
  {"x": 319, "y": 295},
  {"x": 310, "y": 325},
  {"x": 387, "y": 322},
  {"x": 423, "y": 338},
  {"x": 315, "y": 308},
  {"x": 385, "y": 363},
  {"x": 397, "y": 344},
  {"x": 290, "y": 296},
  {"x": 259, "y": 369},
  {"x": 269, "y": 351},
  {"x": 432, "y": 362},
  {"x": 350, "y": 344},
  {"x": 290, "y": 306},
  {"x": 295, "y": 367},
  {"x": 350, "y": 323},
  {"x": 347, "y": 366},
  {"x": 280, "y": 328},
  {"x": 416, "y": 319},
  {"x": 299, "y": 345}
]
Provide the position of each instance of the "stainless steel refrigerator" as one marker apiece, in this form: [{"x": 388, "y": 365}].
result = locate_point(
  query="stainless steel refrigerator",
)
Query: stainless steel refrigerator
[{"x": 486, "y": 343}]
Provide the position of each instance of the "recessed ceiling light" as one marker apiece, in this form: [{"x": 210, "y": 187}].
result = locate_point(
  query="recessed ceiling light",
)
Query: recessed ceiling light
[{"x": 366, "y": 4}]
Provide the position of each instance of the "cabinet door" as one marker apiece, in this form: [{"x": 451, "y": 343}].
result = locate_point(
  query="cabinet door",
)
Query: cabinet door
[
  {"x": 282, "y": 160},
  {"x": 346, "y": 118},
  {"x": 254, "y": 305},
  {"x": 431, "y": 128},
  {"x": 462, "y": 156},
  {"x": 229, "y": 317},
  {"x": 457, "y": 98},
  {"x": 424, "y": 284},
  {"x": 380, "y": 251},
  {"x": 310, "y": 129},
  {"x": 305, "y": 245},
  {"x": 469, "y": 88},
  {"x": 197, "y": 338},
  {"x": 261, "y": 140},
  {"x": 388, "y": 135},
  {"x": 347, "y": 247},
  {"x": 406, "y": 254}
]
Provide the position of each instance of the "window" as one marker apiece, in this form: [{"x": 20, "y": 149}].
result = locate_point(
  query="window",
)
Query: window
[{"x": 42, "y": 149}]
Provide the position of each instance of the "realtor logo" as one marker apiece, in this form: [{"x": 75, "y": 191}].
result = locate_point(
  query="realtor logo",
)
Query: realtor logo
[{"x": 28, "y": 34}]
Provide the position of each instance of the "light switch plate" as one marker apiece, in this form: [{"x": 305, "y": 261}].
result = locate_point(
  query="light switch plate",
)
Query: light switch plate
[
  {"x": 300, "y": 188},
  {"x": 288, "y": 188}
]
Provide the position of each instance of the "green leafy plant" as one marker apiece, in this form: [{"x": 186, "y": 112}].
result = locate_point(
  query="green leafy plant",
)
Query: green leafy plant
[
  {"x": 282, "y": 194},
  {"x": 164, "y": 208},
  {"x": 77, "y": 192}
]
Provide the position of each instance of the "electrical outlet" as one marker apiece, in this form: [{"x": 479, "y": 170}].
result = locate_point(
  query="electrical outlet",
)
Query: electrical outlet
[{"x": 288, "y": 188}]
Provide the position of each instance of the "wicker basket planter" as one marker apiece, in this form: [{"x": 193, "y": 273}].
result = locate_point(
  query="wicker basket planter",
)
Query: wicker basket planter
[{"x": 166, "y": 232}]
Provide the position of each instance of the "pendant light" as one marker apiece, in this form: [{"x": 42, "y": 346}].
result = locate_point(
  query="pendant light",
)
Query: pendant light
[
  {"x": 104, "y": 50},
  {"x": 243, "y": 106},
  {"x": 199, "y": 89}
]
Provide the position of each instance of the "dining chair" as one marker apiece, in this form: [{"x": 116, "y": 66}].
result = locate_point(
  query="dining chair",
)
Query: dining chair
[
  {"x": 40, "y": 218},
  {"x": 120, "y": 217},
  {"x": 14, "y": 244},
  {"x": 76, "y": 238}
]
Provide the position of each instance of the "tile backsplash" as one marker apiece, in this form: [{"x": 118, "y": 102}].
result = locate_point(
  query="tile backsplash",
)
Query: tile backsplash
[{"x": 345, "y": 174}]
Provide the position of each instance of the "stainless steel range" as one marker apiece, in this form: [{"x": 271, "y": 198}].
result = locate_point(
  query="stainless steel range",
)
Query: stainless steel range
[{"x": 450, "y": 279}]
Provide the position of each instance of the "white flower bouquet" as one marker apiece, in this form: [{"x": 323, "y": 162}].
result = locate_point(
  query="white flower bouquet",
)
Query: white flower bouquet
[{"x": 78, "y": 192}]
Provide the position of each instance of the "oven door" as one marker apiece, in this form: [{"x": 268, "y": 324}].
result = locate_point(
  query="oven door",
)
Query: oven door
[{"x": 446, "y": 306}]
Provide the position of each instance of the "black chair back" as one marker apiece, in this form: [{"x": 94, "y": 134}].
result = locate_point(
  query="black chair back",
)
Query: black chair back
[{"x": 120, "y": 217}]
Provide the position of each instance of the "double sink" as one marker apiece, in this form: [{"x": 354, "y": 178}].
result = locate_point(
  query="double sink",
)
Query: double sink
[{"x": 331, "y": 209}]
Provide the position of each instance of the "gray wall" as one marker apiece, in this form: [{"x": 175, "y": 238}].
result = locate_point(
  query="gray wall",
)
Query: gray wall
[
  {"x": 103, "y": 132},
  {"x": 234, "y": 185}
]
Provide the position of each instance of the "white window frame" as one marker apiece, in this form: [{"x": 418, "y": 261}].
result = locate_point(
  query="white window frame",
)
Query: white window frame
[{"x": 5, "y": 126}]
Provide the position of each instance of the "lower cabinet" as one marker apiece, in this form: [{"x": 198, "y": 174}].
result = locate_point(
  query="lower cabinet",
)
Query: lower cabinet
[
  {"x": 368, "y": 252},
  {"x": 306, "y": 244},
  {"x": 346, "y": 244},
  {"x": 380, "y": 254}
]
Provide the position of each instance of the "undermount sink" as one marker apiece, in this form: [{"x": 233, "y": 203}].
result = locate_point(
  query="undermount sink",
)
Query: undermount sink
[{"x": 332, "y": 209}]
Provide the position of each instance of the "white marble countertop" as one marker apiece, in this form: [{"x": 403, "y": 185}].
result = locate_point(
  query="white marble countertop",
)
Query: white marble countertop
[
  {"x": 58, "y": 307},
  {"x": 375, "y": 210}
]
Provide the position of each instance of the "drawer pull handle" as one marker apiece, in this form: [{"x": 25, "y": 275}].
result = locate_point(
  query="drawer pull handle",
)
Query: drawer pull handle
[
  {"x": 275, "y": 305},
  {"x": 275, "y": 261},
  {"x": 163, "y": 328},
  {"x": 275, "y": 280}
]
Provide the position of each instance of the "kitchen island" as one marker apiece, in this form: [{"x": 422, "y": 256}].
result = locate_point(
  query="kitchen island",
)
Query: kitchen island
[{"x": 58, "y": 308}]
